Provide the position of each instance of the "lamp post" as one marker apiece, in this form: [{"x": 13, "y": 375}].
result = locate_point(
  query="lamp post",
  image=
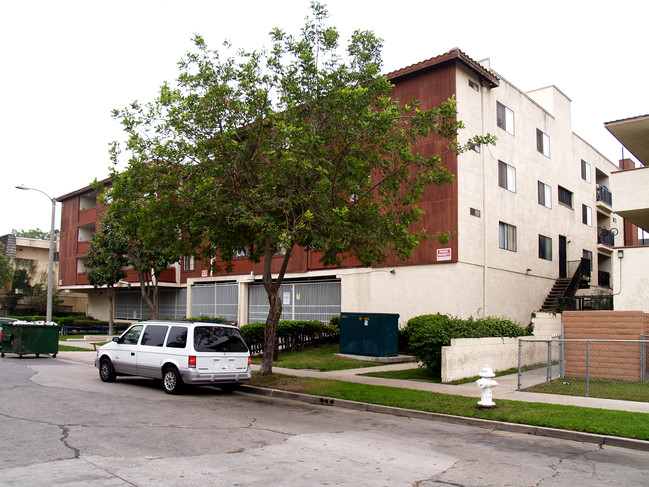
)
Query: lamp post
[{"x": 50, "y": 268}]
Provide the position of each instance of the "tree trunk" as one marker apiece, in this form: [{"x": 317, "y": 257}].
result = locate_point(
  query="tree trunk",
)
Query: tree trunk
[
  {"x": 270, "y": 333},
  {"x": 146, "y": 281},
  {"x": 275, "y": 311},
  {"x": 111, "y": 320}
]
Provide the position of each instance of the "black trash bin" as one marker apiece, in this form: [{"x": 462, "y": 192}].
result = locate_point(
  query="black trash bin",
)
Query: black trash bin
[{"x": 33, "y": 338}]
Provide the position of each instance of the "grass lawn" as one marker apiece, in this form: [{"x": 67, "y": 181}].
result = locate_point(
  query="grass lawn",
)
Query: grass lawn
[
  {"x": 68, "y": 348},
  {"x": 599, "y": 421},
  {"x": 627, "y": 391},
  {"x": 319, "y": 358},
  {"x": 421, "y": 374}
]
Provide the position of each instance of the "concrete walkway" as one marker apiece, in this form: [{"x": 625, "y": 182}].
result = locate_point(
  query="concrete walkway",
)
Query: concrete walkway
[{"x": 506, "y": 389}]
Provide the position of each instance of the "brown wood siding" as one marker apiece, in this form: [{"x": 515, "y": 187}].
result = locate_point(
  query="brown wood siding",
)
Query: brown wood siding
[
  {"x": 68, "y": 242},
  {"x": 431, "y": 86}
]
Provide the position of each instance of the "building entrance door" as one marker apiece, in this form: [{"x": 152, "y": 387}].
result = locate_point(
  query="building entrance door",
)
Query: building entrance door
[{"x": 563, "y": 259}]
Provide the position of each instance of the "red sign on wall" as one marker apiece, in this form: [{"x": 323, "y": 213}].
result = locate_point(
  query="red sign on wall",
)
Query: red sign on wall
[{"x": 443, "y": 254}]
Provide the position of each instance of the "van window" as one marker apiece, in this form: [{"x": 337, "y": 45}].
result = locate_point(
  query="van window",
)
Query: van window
[
  {"x": 132, "y": 335},
  {"x": 154, "y": 335},
  {"x": 177, "y": 337},
  {"x": 218, "y": 339}
]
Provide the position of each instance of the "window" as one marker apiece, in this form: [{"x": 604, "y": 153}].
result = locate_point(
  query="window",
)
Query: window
[
  {"x": 188, "y": 263},
  {"x": 545, "y": 247},
  {"x": 587, "y": 215},
  {"x": 474, "y": 85},
  {"x": 506, "y": 176},
  {"x": 177, "y": 337},
  {"x": 643, "y": 237},
  {"x": 565, "y": 197},
  {"x": 507, "y": 236},
  {"x": 132, "y": 336},
  {"x": 545, "y": 195},
  {"x": 542, "y": 143},
  {"x": 474, "y": 212},
  {"x": 218, "y": 339},
  {"x": 585, "y": 171},
  {"x": 154, "y": 335},
  {"x": 505, "y": 118}
]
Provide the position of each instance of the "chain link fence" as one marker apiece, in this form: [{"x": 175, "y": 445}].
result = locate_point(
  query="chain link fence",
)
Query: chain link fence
[{"x": 613, "y": 369}]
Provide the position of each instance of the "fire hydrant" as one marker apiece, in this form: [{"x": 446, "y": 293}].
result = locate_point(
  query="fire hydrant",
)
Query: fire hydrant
[{"x": 486, "y": 383}]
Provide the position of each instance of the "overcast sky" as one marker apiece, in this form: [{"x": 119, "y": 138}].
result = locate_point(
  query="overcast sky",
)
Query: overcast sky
[{"x": 67, "y": 64}]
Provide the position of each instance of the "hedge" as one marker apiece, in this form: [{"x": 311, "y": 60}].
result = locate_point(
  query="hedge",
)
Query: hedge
[
  {"x": 427, "y": 334},
  {"x": 291, "y": 335}
]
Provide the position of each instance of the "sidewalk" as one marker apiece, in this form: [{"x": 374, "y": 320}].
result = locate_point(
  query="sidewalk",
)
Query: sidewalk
[{"x": 506, "y": 388}]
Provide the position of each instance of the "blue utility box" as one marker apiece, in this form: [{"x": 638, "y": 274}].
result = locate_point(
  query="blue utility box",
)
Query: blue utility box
[{"x": 371, "y": 334}]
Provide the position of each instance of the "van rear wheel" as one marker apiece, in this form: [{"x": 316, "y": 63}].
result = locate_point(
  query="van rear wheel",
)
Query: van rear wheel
[{"x": 172, "y": 383}]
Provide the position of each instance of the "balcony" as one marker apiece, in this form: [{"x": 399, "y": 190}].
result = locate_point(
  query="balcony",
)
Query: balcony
[
  {"x": 82, "y": 248},
  {"x": 88, "y": 216},
  {"x": 605, "y": 237},
  {"x": 604, "y": 195}
]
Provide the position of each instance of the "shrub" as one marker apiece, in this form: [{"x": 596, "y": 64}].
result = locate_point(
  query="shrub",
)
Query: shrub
[
  {"x": 427, "y": 334},
  {"x": 291, "y": 334},
  {"x": 207, "y": 319}
]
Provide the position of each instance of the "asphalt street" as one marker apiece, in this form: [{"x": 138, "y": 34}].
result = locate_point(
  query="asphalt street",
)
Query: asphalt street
[{"x": 60, "y": 425}]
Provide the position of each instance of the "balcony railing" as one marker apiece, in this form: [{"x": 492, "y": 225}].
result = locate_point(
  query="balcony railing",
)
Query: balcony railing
[
  {"x": 605, "y": 237},
  {"x": 604, "y": 195},
  {"x": 603, "y": 279}
]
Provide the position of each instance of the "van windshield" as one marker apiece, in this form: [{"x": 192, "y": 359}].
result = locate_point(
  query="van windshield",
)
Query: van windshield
[{"x": 218, "y": 339}]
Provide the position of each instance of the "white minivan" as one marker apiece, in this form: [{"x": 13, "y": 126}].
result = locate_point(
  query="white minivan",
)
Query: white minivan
[{"x": 178, "y": 353}]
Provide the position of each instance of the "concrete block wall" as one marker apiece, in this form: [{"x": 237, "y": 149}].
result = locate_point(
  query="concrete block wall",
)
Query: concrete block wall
[
  {"x": 465, "y": 357},
  {"x": 607, "y": 360}
]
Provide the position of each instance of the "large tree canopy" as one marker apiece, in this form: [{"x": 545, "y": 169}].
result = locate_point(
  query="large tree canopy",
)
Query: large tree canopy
[{"x": 298, "y": 146}]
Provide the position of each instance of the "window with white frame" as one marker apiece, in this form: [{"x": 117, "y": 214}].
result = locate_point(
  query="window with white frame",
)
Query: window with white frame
[
  {"x": 643, "y": 237},
  {"x": 505, "y": 118},
  {"x": 587, "y": 215},
  {"x": 565, "y": 197},
  {"x": 543, "y": 143},
  {"x": 545, "y": 195},
  {"x": 506, "y": 176},
  {"x": 188, "y": 263},
  {"x": 507, "y": 236},
  {"x": 545, "y": 247},
  {"x": 474, "y": 85},
  {"x": 585, "y": 171}
]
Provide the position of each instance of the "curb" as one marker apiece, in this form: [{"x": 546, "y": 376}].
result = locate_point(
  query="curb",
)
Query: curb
[{"x": 601, "y": 440}]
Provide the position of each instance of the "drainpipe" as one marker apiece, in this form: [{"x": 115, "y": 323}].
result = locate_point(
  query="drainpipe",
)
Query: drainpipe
[{"x": 485, "y": 268}]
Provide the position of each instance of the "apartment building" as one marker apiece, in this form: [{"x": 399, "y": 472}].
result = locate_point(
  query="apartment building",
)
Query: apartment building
[{"x": 522, "y": 214}]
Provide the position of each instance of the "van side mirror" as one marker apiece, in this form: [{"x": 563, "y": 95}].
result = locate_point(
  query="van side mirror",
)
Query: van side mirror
[{"x": 116, "y": 339}]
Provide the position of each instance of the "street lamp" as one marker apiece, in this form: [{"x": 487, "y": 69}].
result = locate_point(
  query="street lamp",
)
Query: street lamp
[{"x": 50, "y": 269}]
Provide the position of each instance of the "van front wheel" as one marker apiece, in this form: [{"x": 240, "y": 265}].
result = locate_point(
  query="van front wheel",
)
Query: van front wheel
[{"x": 172, "y": 383}]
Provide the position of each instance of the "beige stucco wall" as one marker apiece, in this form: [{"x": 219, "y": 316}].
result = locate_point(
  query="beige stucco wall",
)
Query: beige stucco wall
[
  {"x": 631, "y": 280},
  {"x": 454, "y": 289},
  {"x": 547, "y": 109}
]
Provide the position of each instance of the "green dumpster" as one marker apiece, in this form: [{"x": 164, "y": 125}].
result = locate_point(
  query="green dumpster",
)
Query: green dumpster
[
  {"x": 23, "y": 338},
  {"x": 371, "y": 334}
]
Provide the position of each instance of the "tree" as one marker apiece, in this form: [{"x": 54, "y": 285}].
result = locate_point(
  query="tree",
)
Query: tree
[
  {"x": 6, "y": 269},
  {"x": 296, "y": 147},
  {"x": 142, "y": 226},
  {"x": 36, "y": 233},
  {"x": 106, "y": 262}
]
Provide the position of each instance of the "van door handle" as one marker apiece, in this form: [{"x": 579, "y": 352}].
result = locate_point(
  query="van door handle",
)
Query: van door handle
[{"x": 132, "y": 354}]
